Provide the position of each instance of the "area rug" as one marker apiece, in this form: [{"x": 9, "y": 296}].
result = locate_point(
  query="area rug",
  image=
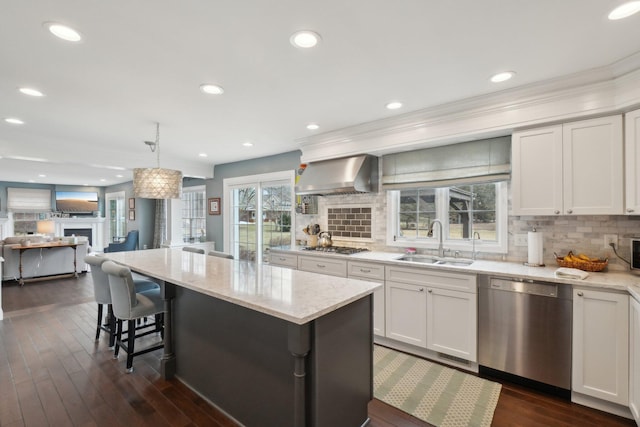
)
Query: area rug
[{"x": 433, "y": 393}]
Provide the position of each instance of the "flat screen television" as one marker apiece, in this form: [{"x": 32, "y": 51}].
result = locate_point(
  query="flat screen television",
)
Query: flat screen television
[{"x": 76, "y": 201}]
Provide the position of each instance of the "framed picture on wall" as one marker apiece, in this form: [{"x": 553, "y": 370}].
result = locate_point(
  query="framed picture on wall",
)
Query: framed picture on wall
[
  {"x": 214, "y": 205},
  {"x": 132, "y": 203},
  {"x": 132, "y": 215}
]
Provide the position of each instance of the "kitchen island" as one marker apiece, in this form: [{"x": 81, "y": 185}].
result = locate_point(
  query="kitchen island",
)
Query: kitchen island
[{"x": 267, "y": 345}]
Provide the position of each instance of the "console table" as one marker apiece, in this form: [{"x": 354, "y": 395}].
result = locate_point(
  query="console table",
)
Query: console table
[{"x": 23, "y": 248}]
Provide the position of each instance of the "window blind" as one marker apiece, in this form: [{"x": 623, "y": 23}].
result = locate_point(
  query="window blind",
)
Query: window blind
[
  {"x": 28, "y": 200},
  {"x": 471, "y": 162}
]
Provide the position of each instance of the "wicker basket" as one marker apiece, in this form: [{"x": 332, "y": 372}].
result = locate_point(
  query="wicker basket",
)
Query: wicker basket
[{"x": 582, "y": 264}]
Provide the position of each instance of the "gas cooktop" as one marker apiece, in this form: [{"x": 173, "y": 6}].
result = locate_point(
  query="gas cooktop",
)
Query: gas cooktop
[{"x": 343, "y": 250}]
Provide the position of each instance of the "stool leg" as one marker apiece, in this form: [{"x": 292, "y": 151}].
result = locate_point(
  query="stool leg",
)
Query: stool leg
[
  {"x": 118, "y": 338},
  {"x": 131, "y": 337},
  {"x": 99, "y": 322},
  {"x": 112, "y": 325}
]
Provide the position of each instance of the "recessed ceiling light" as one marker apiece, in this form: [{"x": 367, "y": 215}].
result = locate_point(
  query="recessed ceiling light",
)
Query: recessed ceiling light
[
  {"x": 394, "y": 105},
  {"x": 42, "y": 175},
  {"x": 103, "y": 180},
  {"x": 14, "y": 121},
  {"x": 305, "y": 39},
  {"x": 63, "y": 32},
  {"x": 31, "y": 180},
  {"x": 625, "y": 10},
  {"x": 248, "y": 144},
  {"x": 119, "y": 176},
  {"x": 312, "y": 126},
  {"x": 202, "y": 154},
  {"x": 30, "y": 91},
  {"x": 502, "y": 77},
  {"x": 211, "y": 89}
]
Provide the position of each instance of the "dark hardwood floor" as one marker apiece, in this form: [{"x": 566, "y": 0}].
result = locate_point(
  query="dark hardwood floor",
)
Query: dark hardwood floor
[{"x": 53, "y": 373}]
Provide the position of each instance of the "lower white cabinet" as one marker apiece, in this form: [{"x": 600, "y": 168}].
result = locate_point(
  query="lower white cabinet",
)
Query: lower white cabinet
[
  {"x": 634, "y": 358},
  {"x": 452, "y": 322},
  {"x": 373, "y": 273},
  {"x": 601, "y": 345},
  {"x": 323, "y": 265},
  {"x": 433, "y": 309},
  {"x": 406, "y": 310},
  {"x": 283, "y": 260}
]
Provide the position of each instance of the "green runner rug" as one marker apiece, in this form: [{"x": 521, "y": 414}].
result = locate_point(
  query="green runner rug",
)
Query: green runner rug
[{"x": 433, "y": 393}]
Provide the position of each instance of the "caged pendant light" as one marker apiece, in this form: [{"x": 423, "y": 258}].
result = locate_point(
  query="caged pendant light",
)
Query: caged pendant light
[{"x": 157, "y": 183}]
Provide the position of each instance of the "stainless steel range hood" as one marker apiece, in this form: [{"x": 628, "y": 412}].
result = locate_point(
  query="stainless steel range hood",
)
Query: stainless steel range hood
[{"x": 357, "y": 174}]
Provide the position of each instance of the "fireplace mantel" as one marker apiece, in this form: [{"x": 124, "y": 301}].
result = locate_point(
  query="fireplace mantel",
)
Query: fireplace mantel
[{"x": 95, "y": 224}]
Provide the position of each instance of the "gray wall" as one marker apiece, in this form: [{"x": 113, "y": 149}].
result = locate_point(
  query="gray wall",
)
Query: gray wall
[{"x": 280, "y": 162}]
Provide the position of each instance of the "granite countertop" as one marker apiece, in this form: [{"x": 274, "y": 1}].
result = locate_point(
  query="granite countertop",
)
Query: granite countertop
[
  {"x": 295, "y": 296},
  {"x": 609, "y": 280}
]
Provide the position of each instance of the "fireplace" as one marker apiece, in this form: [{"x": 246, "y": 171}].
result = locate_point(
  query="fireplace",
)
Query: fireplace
[{"x": 86, "y": 232}]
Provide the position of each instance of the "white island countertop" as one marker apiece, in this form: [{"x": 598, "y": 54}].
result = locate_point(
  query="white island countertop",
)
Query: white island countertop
[{"x": 295, "y": 296}]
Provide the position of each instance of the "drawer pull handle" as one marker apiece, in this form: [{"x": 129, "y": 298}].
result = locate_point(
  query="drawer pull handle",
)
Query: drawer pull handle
[
  {"x": 629, "y": 210},
  {"x": 365, "y": 270},
  {"x": 282, "y": 259},
  {"x": 580, "y": 294},
  {"x": 320, "y": 265}
]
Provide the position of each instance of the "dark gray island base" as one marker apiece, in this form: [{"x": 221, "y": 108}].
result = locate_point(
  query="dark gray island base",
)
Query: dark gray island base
[{"x": 268, "y": 372}]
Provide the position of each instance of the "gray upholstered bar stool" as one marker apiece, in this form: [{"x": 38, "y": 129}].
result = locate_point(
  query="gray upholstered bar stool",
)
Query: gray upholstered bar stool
[
  {"x": 130, "y": 305},
  {"x": 102, "y": 295},
  {"x": 194, "y": 250},
  {"x": 220, "y": 254}
]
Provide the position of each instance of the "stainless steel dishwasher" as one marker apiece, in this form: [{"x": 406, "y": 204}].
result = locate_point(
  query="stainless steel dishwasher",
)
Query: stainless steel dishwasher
[{"x": 525, "y": 330}]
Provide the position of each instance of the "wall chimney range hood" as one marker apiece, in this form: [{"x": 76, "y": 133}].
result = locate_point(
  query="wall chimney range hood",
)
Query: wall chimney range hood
[{"x": 347, "y": 175}]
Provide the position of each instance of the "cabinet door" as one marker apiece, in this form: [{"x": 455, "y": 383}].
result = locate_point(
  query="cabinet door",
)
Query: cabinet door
[
  {"x": 452, "y": 323},
  {"x": 634, "y": 358},
  {"x": 632, "y": 162},
  {"x": 593, "y": 167},
  {"x": 601, "y": 345},
  {"x": 284, "y": 260},
  {"x": 536, "y": 174},
  {"x": 406, "y": 313},
  {"x": 323, "y": 265}
]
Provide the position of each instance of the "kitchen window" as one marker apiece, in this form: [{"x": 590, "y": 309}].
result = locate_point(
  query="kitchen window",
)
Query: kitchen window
[
  {"x": 193, "y": 214},
  {"x": 463, "y": 210}
]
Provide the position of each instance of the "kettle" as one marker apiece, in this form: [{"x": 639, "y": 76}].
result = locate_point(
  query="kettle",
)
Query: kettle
[{"x": 324, "y": 239}]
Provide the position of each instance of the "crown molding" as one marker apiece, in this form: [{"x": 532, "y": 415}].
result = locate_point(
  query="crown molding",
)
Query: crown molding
[{"x": 606, "y": 90}]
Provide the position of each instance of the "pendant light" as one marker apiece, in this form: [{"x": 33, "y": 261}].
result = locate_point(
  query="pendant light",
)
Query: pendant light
[{"x": 157, "y": 183}]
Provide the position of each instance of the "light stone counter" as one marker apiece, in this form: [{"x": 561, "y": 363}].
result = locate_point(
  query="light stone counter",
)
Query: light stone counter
[
  {"x": 609, "y": 280},
  {"x": 291, "y": 295}
]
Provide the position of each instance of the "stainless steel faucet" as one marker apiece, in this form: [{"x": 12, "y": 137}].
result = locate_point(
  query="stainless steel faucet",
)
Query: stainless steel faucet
[
  {"x": 473, "y": 242},
  {"x": 430, "y": 234}
]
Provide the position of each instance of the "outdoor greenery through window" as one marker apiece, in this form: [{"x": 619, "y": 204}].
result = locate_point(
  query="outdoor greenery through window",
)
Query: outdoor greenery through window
[
  {"x": 462, "y": 209},
  {"x": 193, "y": 215}
]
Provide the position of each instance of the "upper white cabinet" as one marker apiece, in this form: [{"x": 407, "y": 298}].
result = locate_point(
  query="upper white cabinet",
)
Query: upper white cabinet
[
  {"x": 570, "y": 169},
  {"x": 632, "y": 162},
  {"x": 601, "y": 345}
]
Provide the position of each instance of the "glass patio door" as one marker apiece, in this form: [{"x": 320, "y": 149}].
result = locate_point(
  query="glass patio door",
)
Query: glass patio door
[
  {"x": 259, "y": 216},
  {"x": 116, "y": 216}
]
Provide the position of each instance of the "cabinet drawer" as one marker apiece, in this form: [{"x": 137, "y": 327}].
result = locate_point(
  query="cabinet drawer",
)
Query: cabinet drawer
[
  {"x": 366, "y": 270},
  {"x": 427, "y": 277},
  {"x": 333, "y": 267},
  {"x": 284, "y": 260}
]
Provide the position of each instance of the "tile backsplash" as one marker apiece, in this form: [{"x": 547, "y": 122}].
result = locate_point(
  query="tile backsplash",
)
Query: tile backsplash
[
  {"x": 561, "y": 233},
  {"x": 353, "y": 222}
]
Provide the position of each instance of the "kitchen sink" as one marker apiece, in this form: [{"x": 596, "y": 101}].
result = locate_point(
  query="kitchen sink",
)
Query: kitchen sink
[{"x": 456, "y": 262}]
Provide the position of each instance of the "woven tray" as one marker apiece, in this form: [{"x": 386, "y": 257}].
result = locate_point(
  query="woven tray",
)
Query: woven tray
[{"x": 583, "y": 265}]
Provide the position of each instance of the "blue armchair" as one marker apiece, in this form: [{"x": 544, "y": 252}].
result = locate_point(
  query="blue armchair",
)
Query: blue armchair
[{"x": 130, "y": 243}]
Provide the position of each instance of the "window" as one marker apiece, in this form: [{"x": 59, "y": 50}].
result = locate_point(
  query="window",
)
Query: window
[
  {"x": 462, "y": 209},
  {"x": 194, "y": 224}
]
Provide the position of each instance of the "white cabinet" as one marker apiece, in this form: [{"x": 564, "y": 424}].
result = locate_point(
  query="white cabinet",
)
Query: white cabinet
[
  {"x": 601, "y": 345},
  {"x": 283, "y": 260},
  {"x": 632, "y": 162},
  {"x": 634, "y": 358},
  {"x": 570, "y": 169},
  {"x": 406, "y": 313},
  {"x": 433, "y": 309},
  {"x": 373, "y": 273},
  {"x": 323, "y": 265}
]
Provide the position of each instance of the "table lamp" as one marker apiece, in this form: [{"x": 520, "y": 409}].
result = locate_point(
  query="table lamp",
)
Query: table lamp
[{"x": 46, "y": 227}]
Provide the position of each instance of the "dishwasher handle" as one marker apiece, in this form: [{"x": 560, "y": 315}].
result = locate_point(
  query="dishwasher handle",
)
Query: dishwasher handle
[{"x": 529, "y": 287}]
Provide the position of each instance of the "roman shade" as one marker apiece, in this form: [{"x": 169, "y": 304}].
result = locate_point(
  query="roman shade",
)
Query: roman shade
[
  {"x": 28, "y": 200},
  {"x": 486, "y": 160}
]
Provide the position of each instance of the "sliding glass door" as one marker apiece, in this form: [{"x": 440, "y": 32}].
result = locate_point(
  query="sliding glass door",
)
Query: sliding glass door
[{"x": 260, "y": 214}]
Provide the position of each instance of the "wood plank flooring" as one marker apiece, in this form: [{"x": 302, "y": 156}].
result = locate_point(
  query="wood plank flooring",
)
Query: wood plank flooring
[{"x": 52, "y": 373}]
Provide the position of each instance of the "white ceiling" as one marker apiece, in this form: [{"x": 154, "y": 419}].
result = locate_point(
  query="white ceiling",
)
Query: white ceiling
[{"x": 142, "y": 62}]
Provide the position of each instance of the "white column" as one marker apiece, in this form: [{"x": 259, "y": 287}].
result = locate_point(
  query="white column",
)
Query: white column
[{"x": 174, "y": 223}]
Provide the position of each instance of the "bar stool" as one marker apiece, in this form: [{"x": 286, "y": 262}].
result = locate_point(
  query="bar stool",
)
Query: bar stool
[
  {"x": 220, "y": 254},
  {"x": 102, "y": 295},
  {"x": 130, "y": 305},
  {"x": 194, "y": 250}
]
